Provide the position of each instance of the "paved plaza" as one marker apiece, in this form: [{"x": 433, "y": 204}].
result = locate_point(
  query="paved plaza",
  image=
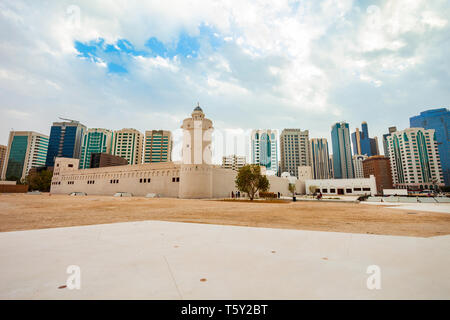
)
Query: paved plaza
[{"x": 172, "y": 260}]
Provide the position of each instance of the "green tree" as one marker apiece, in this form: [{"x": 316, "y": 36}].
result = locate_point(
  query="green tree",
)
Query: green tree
[
  {"x": 292, "y": 188},
  {"x": 312, "y": 189},
  {"x": 250, "y": 180},
  {"x": 40, "y": 180}
]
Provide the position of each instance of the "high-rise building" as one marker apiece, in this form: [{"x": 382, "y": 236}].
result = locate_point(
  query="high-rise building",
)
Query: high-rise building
[
  {"x": 3, "y": 150},
  {"x": 358, "y": 165},
  {"x": 439, "y": 120},
  {"x": 157, "y": 146},
  {"x": 385, "y": 142},
  {"x": 65, "y": 141},
  {"x": 320, "y": 159},
  {"x": 414, "y": 157},
  {"x": 342, "y": 152},
  {"x": 95, "y": 140},
  {"x": 380, "y": 167},
  {"x": 233, "y": 162},
  {"x": 127, "y": 143},
  {"x": 265, "y": 149},
  {"x": 361, "y": 140},
  {"x": 330, "y": 165},
  {"x": 374, "y": 150},
  {"x": 294, "y": 150},
  {"x": 26, "y": 150}
]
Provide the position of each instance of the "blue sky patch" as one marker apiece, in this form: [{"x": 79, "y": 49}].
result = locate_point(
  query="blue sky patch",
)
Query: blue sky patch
[
  {"x": 117, "y": 55},
  {"x": 116, "y": 68}
]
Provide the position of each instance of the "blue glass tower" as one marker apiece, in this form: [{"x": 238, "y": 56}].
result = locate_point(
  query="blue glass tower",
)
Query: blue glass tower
[
  {"x": 362, "y": 144},
  {"x": 342, "y": 152},
  {"x": 265, "y": 149},
  {"x": 65, "y": 141},
  {"x": 437, "y": 119}
]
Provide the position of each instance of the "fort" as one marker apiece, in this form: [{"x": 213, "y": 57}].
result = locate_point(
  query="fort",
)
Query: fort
[{"x": 195, "y": 177}]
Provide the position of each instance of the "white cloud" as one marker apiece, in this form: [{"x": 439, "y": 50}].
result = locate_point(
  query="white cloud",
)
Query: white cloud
[
  {"x": 157, "y": 62},
  {"x": 277, "y": 58}
]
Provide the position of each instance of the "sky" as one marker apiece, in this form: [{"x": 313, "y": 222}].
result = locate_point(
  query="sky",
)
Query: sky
[{"x": 250, "y": 64}]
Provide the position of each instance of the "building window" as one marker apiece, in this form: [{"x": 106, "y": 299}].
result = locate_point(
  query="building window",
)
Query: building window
[
  {"x": 348, "y": 190},
  {"x": 366, "y": 189}
]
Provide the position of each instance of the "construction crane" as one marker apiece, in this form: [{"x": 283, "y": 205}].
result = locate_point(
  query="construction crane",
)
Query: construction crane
[{"x": 74, "y": 121}]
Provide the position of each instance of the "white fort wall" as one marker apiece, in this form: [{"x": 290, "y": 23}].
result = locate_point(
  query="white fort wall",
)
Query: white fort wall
[
  {"x": 160, "y": 178},
  {"x": 195, "y": 181},
  {"x": 223, "y": 182},
  {"x": 167, "y": 179}
]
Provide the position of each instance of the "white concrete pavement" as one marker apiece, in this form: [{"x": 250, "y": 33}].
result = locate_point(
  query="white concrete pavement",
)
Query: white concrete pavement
[
  {"x": 431, "y": 207},
  {"x": 167, "y": 260}
]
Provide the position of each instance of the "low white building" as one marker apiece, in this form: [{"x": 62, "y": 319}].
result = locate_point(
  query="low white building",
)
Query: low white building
[
  {"x": 349, "y": 187},
  {"x": 358, "y": 165},
  {"x": 233, "y": 162}
]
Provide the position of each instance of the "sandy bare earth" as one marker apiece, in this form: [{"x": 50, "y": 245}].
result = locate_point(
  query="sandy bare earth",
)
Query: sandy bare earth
[{"x": 24, "y": 212}]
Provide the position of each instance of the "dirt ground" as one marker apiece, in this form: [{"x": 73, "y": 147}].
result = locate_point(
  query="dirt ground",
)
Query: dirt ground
[{"x": 24, "y": 212}]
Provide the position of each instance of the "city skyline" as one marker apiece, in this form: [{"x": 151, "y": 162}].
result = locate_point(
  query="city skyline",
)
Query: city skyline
[
  {"x": 68, "y": 60},
  {"x": 236, "y": 139}
]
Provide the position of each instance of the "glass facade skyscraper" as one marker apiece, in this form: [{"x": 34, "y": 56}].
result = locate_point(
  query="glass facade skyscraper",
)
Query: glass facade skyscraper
[
  {"x": 65, "y": 141},
  {"x": 26, "y": 150},
  {"x": 95, "y": 140},
  {"x": 439, "y": 120},
  {"x": 342, "y": 152},
  {"x": 362, "y": 143},
  {"x": 157, "y": 146},
  {"x": 265, "y": 149},
  {"x": 320, "y": 159}
]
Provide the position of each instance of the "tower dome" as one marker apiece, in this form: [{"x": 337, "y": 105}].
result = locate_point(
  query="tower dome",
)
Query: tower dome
[{"x": 197, "y": 108}]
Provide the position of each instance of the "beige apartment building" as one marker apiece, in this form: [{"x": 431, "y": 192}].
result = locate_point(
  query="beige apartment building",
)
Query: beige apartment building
[
  {"x": 128, "y": 144},
  {"x": 233, "y": 162},
  {"x": 294, "y": 150},
  {"x": 358, "y": 165}
]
